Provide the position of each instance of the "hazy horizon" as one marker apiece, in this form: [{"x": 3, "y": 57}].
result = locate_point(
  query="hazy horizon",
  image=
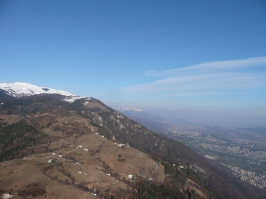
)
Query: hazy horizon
[{"x": 225, "y": 117}]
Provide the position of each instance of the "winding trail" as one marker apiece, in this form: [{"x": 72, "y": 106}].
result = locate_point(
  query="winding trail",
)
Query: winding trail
[
  {"x": 89, "y": 146},
  {"x": 72, "y": 150}
]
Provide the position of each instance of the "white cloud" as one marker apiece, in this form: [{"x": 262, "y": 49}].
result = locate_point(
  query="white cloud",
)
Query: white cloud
[{"x": 209, "y": 77}]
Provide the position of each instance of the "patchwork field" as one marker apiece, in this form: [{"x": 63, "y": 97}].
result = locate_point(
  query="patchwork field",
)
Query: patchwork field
[{"x": 91, "y": 167}]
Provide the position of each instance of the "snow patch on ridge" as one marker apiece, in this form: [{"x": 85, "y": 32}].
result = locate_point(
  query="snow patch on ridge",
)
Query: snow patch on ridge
[{"x": 71, "y": 99}]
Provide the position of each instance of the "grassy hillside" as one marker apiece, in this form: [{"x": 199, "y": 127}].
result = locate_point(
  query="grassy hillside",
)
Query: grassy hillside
[{"x": 41, "y": 124}]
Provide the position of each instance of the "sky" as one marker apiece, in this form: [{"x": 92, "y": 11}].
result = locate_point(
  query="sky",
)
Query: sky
[{"x": 198, "y": 60}]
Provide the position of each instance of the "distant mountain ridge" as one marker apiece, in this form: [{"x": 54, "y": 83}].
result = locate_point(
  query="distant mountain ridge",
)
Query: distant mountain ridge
[
  {"x": 139, "y": 113},
  {"x": 152, "y": 121},
  {"x": 124, "y": 109}
]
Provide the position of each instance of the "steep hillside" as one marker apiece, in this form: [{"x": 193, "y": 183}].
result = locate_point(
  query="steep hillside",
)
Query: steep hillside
[{"x": 49, "y": 124}]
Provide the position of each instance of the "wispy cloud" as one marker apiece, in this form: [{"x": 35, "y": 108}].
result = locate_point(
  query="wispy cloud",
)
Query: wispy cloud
[
  {"x": 212, "y": 67},
  {"x": 197, "y": 94},
  {"x": 209, "y": 77}
]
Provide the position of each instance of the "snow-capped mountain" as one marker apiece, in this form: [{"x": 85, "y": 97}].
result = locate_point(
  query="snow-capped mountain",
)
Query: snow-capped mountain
[
  {"x": 137, "y": 113},
  {"x": 20, "y": 89},
  {"x": 122, "y": 109}
]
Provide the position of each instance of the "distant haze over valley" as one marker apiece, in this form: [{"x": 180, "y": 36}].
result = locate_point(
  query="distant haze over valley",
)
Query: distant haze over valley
[{"x": 230, "y": 118}]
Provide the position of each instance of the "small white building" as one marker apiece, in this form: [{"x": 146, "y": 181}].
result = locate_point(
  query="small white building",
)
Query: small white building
[
  {"x": 121, "y": 145},
  {"x": 6, "y": 196}
]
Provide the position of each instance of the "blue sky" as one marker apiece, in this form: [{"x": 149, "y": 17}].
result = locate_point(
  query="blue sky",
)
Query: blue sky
[{"x": 202, "y": 60}]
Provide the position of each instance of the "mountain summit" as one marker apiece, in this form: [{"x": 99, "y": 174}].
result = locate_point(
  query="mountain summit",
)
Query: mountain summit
[{"x": 20, "y": 89}]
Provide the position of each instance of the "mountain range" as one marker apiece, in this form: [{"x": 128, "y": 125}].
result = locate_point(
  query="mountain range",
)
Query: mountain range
[{"x": 58, "y": 145}]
